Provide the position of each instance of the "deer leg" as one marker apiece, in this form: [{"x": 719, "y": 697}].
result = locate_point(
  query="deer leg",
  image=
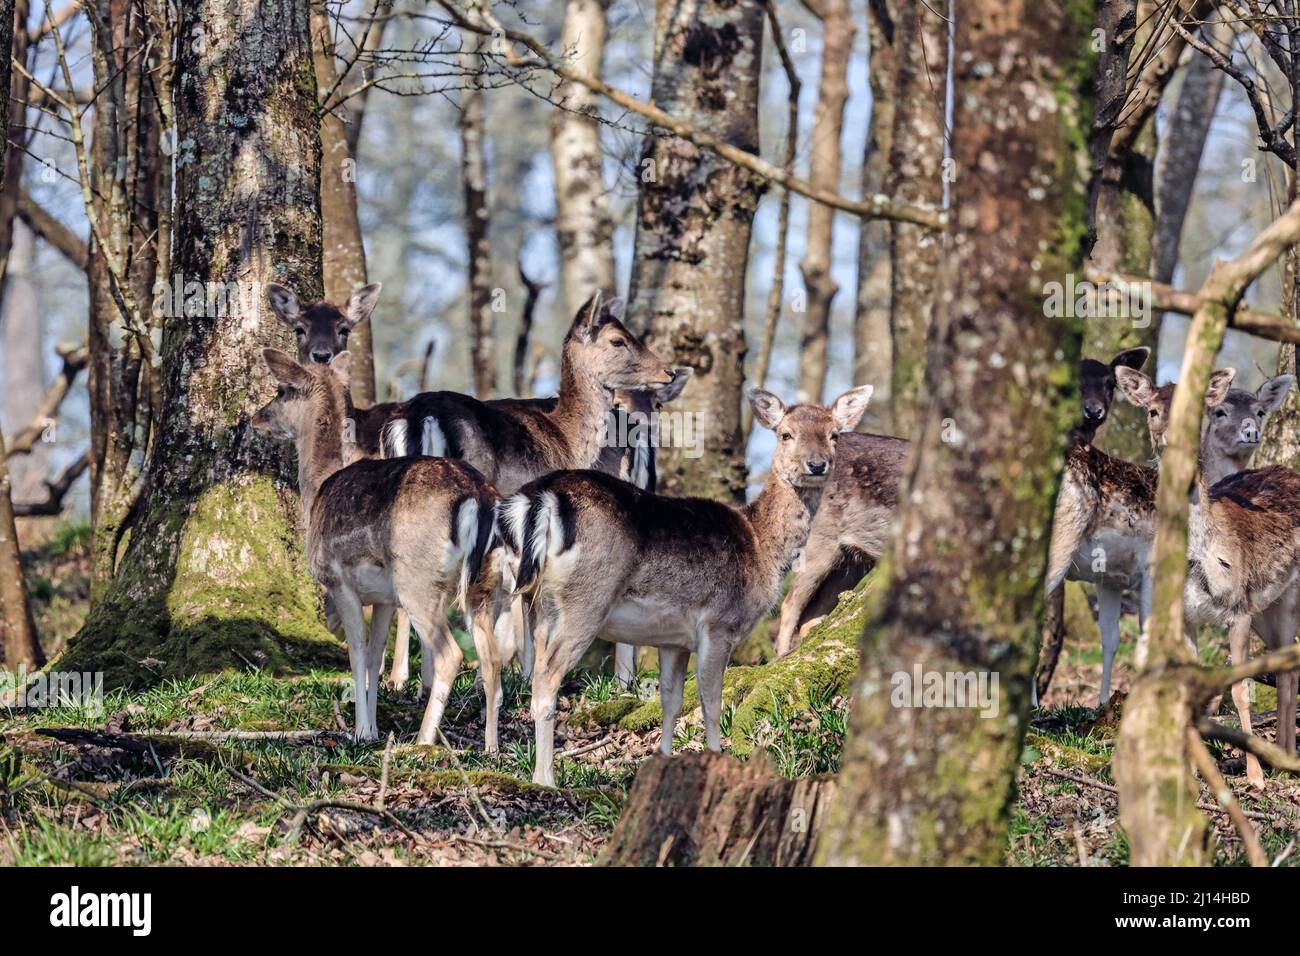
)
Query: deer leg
[
  {"x": 711, "y": 656},
  {"x": 1108, "y": 614},
  {"x": 381, "y": 619},
  {"x": 625, "y": 665},
  {"x": 523, "y": 625},
  {"x": 400, "y": 672},
  {"x": 489, "y": 658},
  {"x": 430, "y": 643},
  {"x": 353, "y": 620},
  {"x": 672, "y": 680},
  {"x": 1239, "y": 648},
  {"x": 561, "y": 642},
  {"x": 817, "y": 563},
  {"x": 444, "y": 662}
]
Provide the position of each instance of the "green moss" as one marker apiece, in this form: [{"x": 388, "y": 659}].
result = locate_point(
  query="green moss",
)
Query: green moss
[
  {"x": 210, "y": 585},
  {"x": 605, "y": 712},
  {"x": 1066, "y": 756}
]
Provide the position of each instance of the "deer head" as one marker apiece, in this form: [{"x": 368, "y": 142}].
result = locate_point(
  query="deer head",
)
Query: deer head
[
  {"x": 322, "y": 329},
  {"x": 1237, "y": 423},
  {"x": 1097, "y": 385},
  {"x": 308, "y": 395},
  {"x": 806, "y": 435},
  {"x": 600, "y": 350},
  {"x": 1144, "y": 393}
]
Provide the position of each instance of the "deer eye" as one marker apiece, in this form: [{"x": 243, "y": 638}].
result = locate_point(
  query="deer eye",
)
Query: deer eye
[
  {"x": 1153, "y": 413},
  {"x": 618, "y": 343},
  {"x": 786, "y": 436},
  {"x": 1220, "y": 413},
  {"x": 300, "y": 332},
  {"x": 835, "y": 437}
]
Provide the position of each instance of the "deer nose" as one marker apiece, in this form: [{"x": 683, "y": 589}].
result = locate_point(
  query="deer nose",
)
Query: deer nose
[
  {"x": 817, "y": 467},
  {"x": 322, "y": 358},
  {"x": 1249, "y": 432},
  {"x": 1094, "y": 411}
]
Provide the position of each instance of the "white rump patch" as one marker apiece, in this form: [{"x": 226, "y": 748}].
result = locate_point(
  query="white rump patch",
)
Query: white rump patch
[
  {"x": 432, "y": 440},
  {"x": 393, "y": 441},
  {"x": 467, "y": 534},
  {"x": 513, "y": 517}
]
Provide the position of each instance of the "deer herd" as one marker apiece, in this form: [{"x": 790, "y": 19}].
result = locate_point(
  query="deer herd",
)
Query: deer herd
[{"x": 549, "y": 536}]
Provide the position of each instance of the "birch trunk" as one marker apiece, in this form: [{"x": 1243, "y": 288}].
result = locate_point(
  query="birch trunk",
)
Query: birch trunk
[
  {"x": 582, "y": 218},
  {"x": 473, "y": 164}
]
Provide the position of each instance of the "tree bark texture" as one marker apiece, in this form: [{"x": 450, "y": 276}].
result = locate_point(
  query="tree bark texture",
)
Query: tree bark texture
[
  {"x": 873, "y": 353},
  {"x": 344, "y": 249},
  {"x": 473, "y": 165},
  {"x": 213, "y": 575},
  {"x": 22, "y": 331},
  {"x": 916, "y": 172},
  {"x": 935, "y": 784},
  {"x": 694, "y": 217},
  {"x": 820, "y": 286}
]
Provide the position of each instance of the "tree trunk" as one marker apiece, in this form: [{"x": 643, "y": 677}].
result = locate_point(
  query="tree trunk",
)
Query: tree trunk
[
  {"x": 582, "y": 218},
  {"x": 135, "y": 229},
  {"x": 935, "y": 784},
  {"x": 344, "y": 250},
  {"x": 694, "y": 217},
  {"x": 1123, "y": 219},
  {"x": 22, "y": 328},
  {"x": 1180, "y": 157},
  {"x": 473, "y": 164},
  {"x": 213, "y": 576},
  {"x": 820, "y": 286},
  {"x": 873, "y": 354},
  {"x": 915, "y": 176},
  {"x": 21, "y": 646},
  {"x": 711, "y": 810}
]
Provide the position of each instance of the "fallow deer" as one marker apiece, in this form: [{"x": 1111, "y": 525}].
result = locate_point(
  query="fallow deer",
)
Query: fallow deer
[
  {"x": 322, "y": 329},
  {"x": 1243, "y": 547},
  {"x": 408, "y": 533},
  {"x": 1105, "y": 512},
  {"x": 599, "y": 557}
]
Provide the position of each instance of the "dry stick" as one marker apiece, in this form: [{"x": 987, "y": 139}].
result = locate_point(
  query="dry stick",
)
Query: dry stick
[
  {"x": 382, "y": 800},
  {"x": 1204, "y": 763},
  {"x": 874, "y": 207},
  {"x": 473, "y": 794},
  {"x": 1090, "y": 782},
  {"x": 1269, "y": 753},
  {"x": 56, "y": 489},
  {"x": 585, "y": 748},
  {"x": 777, "y": 292},
  {"x": 534, "y": 289},
  {"x": 74, "y": 360}
]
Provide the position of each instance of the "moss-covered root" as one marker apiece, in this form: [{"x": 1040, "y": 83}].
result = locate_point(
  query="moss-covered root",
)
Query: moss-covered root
[
  {"x": 210, "y": 585},
  {"x": 828, "y": 657}
]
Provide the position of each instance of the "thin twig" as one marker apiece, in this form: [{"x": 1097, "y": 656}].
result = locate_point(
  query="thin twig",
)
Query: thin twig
[{"x": 1219, "y": 789}]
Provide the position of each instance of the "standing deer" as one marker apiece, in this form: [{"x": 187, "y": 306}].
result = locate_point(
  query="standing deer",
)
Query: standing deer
[
  {"x": 1105, "y": 513},
  {"x": 599, "y": 557},
  {"x": 1243, "y": 547},
  {"x": 409, "y": 533}
]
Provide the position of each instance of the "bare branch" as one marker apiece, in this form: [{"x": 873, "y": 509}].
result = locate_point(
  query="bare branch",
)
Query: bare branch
[
  {"x": 1219, "y": 789},
  {"x": 55, "y": 491},
  {"x": 1265, "y": 751},
  {"x": 875, "y": 207},
  {"x": 42, "y": 222},
  {"x": 74, "y": 360}
]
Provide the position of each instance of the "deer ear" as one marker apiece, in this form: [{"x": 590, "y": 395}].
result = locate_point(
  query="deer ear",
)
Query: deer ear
[
  {"x": 1220, "y": 382},
  {"x": 681, "y": 375},
  {"x": 1134, "y": 386},
  {"x": 285, "y": 369},
  {"x": 362, "y": 304},
  {"x": 284, "y": 303},
  {"x": 341, "y": 366},
  {"x": 1274, "y": 391},
  {"x": 590, "y": 317},
  {"x": 768, "y": 409},
  {"x": 1131, "y": 358},
  {"x": 848, "y": 408}
]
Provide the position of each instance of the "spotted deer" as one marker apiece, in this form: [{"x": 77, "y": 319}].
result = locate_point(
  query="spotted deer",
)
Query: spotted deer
[
  {"x": 1105, "y": 512},
  {"x": 599, "y": 557},
  {"x": 410, "y": 533},
  {"x": 1243, "y": 543}
]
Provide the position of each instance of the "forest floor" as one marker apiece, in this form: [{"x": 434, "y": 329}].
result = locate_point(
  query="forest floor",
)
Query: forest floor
[{"x": 185, "y": 773}]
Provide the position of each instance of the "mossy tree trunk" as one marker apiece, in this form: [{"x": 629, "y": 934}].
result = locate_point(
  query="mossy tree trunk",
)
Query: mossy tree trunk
[
  {"x": 213, "y": 575},
  {"x": 934, "y": 784},
  {"x": 915, "y": 176},
  {"x": 694, "y": 216},
  {"x": 1124, "y": 148}
]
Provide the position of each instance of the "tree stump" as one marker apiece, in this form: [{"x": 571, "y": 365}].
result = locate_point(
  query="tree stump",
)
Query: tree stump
[{"x": 708, "y": 809}]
